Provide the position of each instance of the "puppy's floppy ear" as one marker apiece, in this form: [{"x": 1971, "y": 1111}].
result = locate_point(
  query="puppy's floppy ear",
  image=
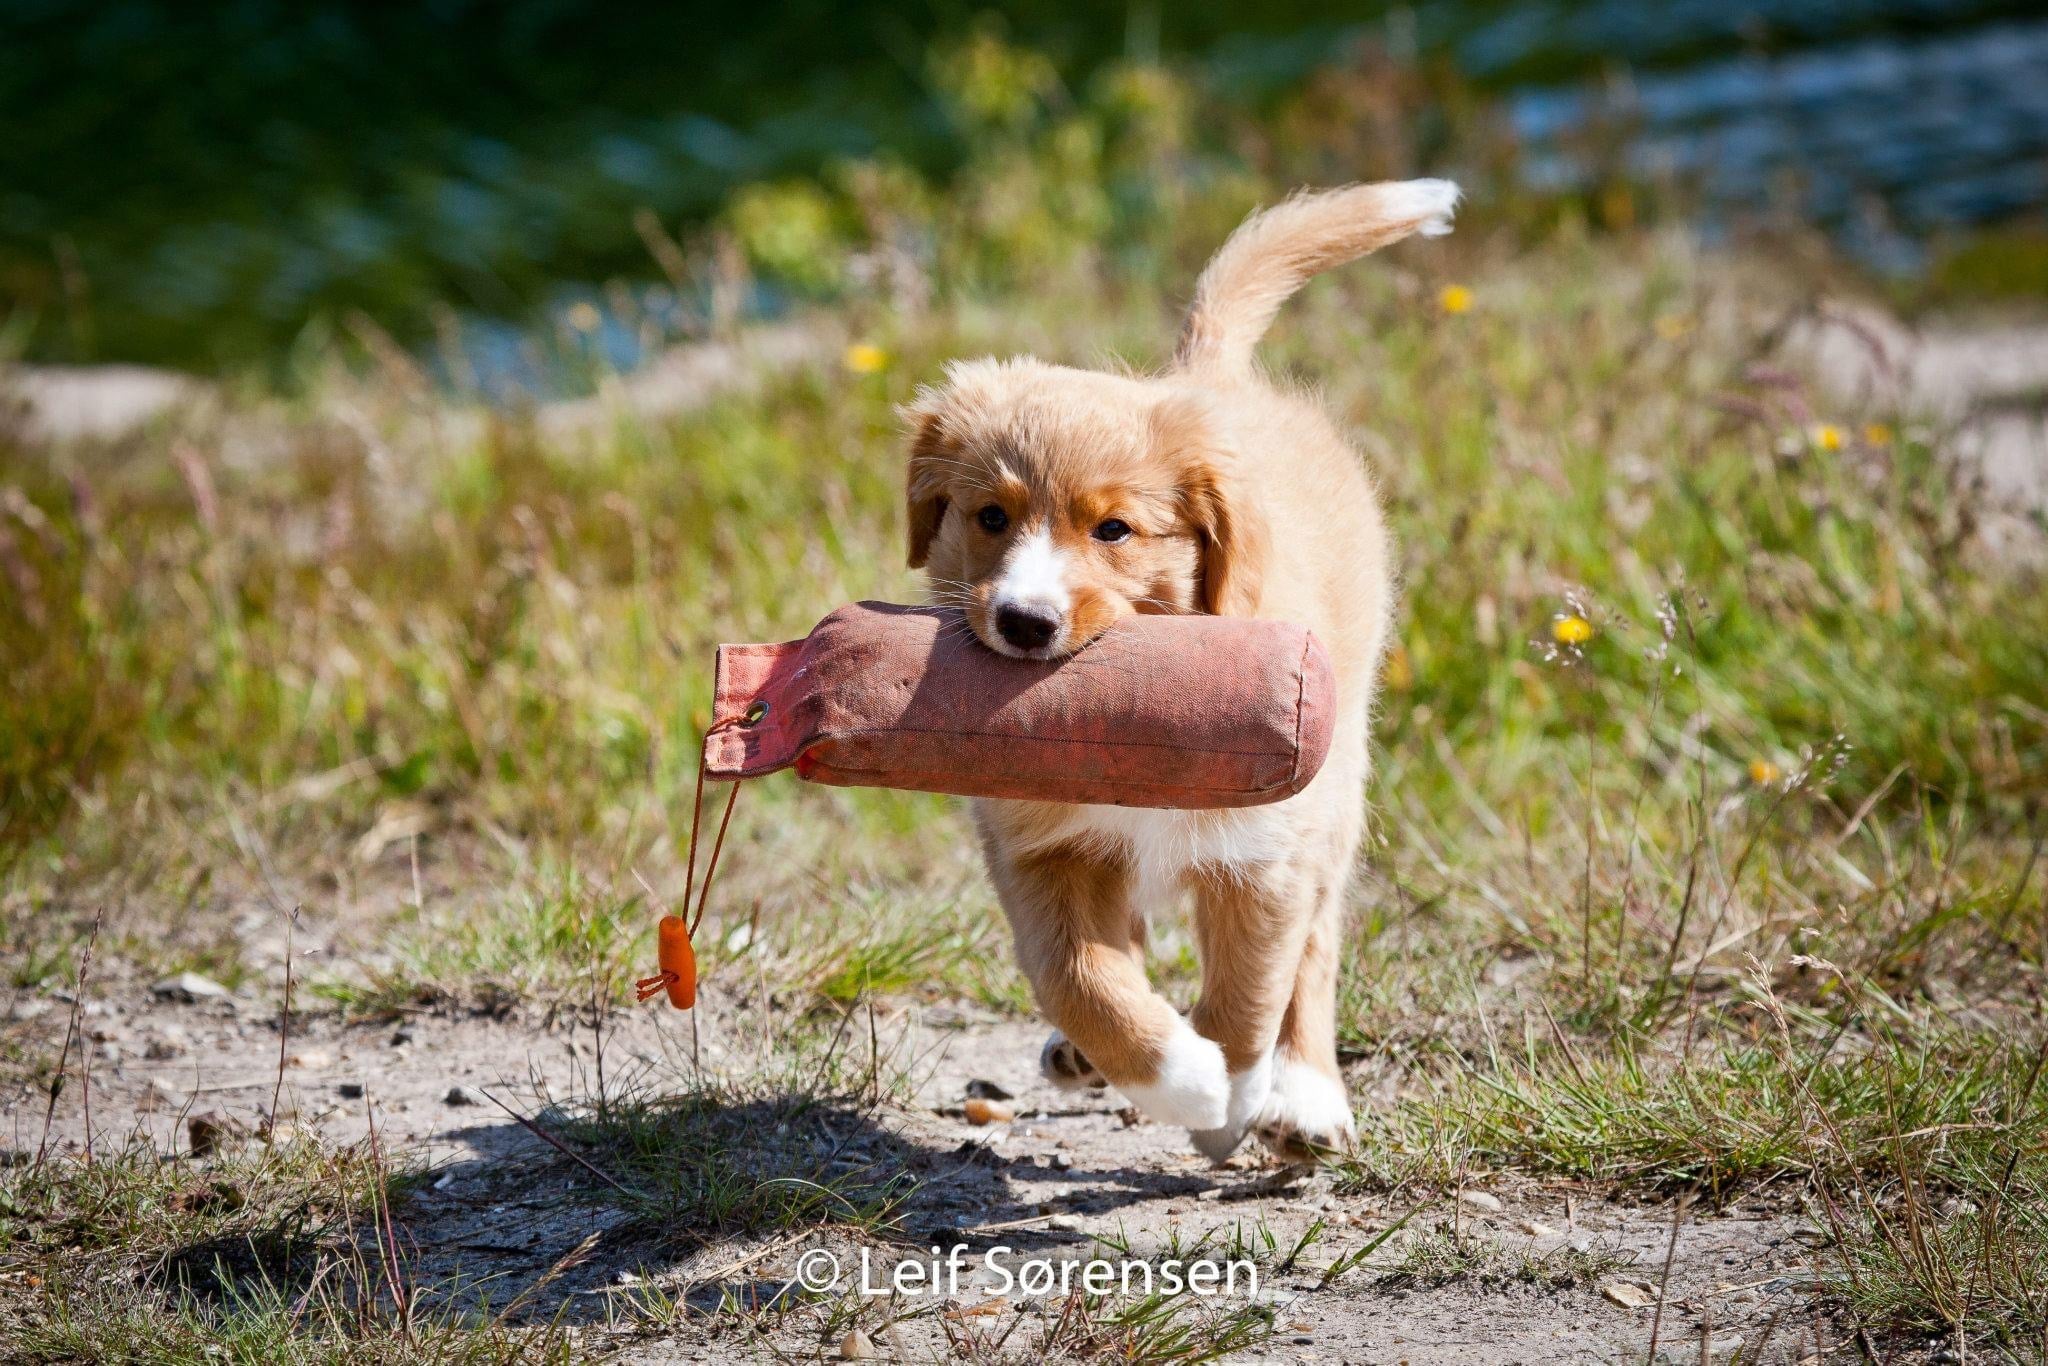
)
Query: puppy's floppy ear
[
  {"x": 1234, "y": 537},
  {"x": 925, "y": 484}
]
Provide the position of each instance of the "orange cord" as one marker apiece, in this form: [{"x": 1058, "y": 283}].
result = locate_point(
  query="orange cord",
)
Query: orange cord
[{"x": 676, "y": 954}]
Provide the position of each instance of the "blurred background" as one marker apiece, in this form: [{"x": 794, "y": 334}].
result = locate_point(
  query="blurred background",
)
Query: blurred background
[{"x": 226, "y": 185}]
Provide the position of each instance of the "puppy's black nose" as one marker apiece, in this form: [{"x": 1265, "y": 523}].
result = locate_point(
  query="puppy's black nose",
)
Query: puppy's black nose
[{"x": 1026, "y": 628}]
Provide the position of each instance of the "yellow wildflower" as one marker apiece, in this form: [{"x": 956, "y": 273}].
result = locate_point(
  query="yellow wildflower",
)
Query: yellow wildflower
[
  {"x": 1400, "y": 669},
  {"x": 1571, "y": 630},
  {"x": 865, "y": 358},
  {"x": 1454, "y": 299},
  {"x": 1879, "y": 434},
  {"x": 1763, "y": 772},
  {"x": 1827, "y": 436}
]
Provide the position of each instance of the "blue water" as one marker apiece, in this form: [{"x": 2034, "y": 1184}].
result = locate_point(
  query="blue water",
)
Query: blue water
[{"x": 1882, "y": 141}]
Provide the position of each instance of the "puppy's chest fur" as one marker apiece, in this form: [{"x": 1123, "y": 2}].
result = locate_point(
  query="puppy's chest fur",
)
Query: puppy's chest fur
[{"x": 1162, "y": 848}]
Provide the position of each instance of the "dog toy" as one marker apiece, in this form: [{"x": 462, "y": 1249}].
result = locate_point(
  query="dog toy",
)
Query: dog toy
[{"x": 1158, "y": 711}]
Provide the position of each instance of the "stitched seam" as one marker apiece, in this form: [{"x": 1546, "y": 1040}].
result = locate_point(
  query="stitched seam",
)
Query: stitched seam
[
  {"x": 1051, "y": 740},
  {"x": 1112, "y": 784},
  {"x": 1300, "y": 705}
]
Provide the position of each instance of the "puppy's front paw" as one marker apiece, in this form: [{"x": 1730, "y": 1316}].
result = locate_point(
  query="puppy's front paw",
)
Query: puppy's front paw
[
  {"x": 1067, "y": 1067},
  {"x": 1306, "y": 1115},
  {"x": 1193, "y": 1086},
  {"x": 1248, "y": 1092}
]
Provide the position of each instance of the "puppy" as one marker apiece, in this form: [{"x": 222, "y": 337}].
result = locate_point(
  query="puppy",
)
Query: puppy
[{"x": 1047, "y": 502}]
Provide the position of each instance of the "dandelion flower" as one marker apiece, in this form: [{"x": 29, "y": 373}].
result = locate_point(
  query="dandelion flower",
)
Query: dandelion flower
[
  {"x": 1827, "y": 436},
  {"x": 865, "y": 358},
  {"x": 1879, "y": 434},
  {"x": 1571, "y": 629},
  {"x": 1763, "y": 772},
  {"x": 1454, "y": 299}
]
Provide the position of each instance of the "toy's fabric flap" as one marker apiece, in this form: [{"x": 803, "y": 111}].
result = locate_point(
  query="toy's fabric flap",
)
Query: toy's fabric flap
[{"x": 1159, "y": 711}]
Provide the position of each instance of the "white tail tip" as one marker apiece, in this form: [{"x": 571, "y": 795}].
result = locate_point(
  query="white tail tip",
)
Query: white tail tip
[{"x": 1432, "y": 201}]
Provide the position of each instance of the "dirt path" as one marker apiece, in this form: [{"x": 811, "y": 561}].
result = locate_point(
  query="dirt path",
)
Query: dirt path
[{"x": 501, "y": 1203}]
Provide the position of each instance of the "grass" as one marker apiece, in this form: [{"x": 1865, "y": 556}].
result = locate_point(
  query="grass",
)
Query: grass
[
  {"x": 1739, "y": 895},
  {"x": 290, "y": 1254}
]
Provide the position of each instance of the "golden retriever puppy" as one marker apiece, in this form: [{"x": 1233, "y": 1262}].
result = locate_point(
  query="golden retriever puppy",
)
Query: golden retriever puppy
[{"x": 1047, "y": 502}]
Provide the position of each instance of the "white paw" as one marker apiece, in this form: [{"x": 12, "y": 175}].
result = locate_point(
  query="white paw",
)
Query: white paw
[
  {"x": 1193, "y": 1086},
  {"x": 1432, "y": 201},
  {"x": 1248, "y": 1092},
  {"x": 1306, "y": 1112},
  {"x": 1066, "y": 1066}
]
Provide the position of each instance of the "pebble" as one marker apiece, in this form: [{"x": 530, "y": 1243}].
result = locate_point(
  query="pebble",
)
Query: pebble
[
  {"x": 312, "y": 1057},
  {"x": 1480, "y": 1200},
  {"x": 1536, "y": 1228},
  {"x": 1627, "y": 1294},
  {"x": 465, "y": 1095},
  {"x": 856, "y": 1346},
  {"x": 210, "y": 1132},
  {"x": 981, "y": 1111},
  {"x": 1062, "y": 1162},
  {"x": 190, "y": 988},
  {"x": 350, "y": 1090}
]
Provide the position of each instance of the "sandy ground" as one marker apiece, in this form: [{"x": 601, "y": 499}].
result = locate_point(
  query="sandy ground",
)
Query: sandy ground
[{"x": 502, "y": 1204}]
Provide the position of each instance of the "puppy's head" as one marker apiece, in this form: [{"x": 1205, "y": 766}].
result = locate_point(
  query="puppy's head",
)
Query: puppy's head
[{"x": 1047, "y": 502}]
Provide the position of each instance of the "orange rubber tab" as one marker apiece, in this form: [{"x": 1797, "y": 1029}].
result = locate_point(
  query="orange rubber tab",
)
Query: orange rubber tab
[{"x": 678, "y": 959}]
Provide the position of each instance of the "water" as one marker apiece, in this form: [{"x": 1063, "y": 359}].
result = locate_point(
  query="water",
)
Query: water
[
  {"x": 1884, "y": 141},
  {"x": 206, "y": 185}
]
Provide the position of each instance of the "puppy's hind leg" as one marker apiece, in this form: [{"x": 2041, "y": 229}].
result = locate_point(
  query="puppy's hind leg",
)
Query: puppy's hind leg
[
  {"x": 1250, "y": 923},
  {"x": 1307, "y": 1112},
  {"x": 1069, "y": 907}
]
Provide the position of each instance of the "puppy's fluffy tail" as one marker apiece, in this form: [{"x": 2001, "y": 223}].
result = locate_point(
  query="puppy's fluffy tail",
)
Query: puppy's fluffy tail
[{"x": 1276, "y": 250}]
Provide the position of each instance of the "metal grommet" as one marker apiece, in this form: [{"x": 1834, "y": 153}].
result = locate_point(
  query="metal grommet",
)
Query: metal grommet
[{"x": 756, "y": 710}]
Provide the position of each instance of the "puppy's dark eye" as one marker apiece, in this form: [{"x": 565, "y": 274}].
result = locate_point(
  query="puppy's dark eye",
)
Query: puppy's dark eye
[
  {"x": 1112, "y": 531},
  {"x": 992, "y": 518}
]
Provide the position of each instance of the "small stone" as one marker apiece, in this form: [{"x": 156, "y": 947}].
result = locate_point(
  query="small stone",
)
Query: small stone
[
  {"x": 988, "y": 1112},
  {"x": 162, "y": 1050},
  {"x": 465, "y": 1095},
  {"x": 1536, "y": 1228},
  {"x": 312, "y": 1057},
  {"x": 1480, "y": 1200},
  {"x": 1066, "y": 1223},
  {"x": 1627, "y": 1294},
  {"x": 190, "y": 988},
  {"x": 987, "y": 1090},
  {"x": 350, "y": 1090},
  {"x": 856, "y": 1346},
  {"x": 1062, "y": 1162},
  {"x": 210, "y": 1132},
  {"x": 401, "y": 1037}
]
